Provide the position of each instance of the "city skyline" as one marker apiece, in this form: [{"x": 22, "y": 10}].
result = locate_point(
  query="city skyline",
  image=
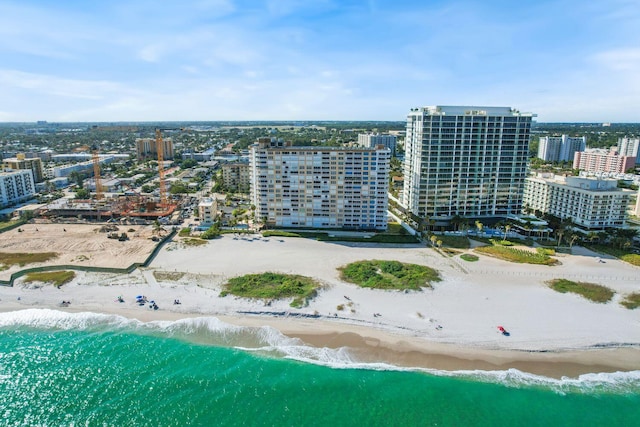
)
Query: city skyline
[{"x": 209, "y": 60}]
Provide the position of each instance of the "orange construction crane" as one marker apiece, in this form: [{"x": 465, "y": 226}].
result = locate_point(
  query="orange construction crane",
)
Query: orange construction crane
[{"x": 96, "y": 172}]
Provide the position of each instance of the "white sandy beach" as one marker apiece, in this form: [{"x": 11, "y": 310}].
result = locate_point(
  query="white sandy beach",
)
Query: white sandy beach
[{"x": 453, "y": 326}]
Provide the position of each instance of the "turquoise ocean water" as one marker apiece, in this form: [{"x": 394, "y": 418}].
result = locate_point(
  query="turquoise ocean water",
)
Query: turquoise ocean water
[{"x": 63, "y": 369}]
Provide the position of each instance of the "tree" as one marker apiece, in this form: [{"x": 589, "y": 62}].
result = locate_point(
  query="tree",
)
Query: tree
[
  {"x": 573, "y": 239},
  {"x": 479, "y": 226},
  {"x": 82, "y": 193},
  {"x": 433, "y": 240},
  {"x": 506, "y": 231}
]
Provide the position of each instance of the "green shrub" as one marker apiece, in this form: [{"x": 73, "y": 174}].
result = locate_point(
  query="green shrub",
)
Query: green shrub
[
  {"x": 277, "y": 233},
  {"x": 516, "y": 255},
  {"x": 590, "y": 291},
  {"x": 389, "y": 275},
  {"x": 469, "y": 257},
  {"x": 273, "y": 286},
  {"x": 631, "y": 301},
  {"x": 8, "y": 258},
  {"x": 58, "y": 278}
]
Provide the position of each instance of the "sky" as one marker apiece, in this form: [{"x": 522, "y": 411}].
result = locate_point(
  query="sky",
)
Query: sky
[{"x": 208, "y": 60}]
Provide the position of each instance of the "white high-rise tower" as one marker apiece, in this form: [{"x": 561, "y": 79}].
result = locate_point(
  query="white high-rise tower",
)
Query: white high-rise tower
[{"x": 466, "y": 161}]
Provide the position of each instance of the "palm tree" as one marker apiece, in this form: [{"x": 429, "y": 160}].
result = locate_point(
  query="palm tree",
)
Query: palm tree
[
  {"x": 433, "y": 239},
  {"x": 559, "y": 234},
  {"x": 506, "y": 231},
  {"x": 439, "y": 243},
  {"x": 573, "y": 239}
]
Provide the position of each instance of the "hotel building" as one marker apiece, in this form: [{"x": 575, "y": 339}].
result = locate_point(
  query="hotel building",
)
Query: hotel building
[
  {"x": 466, "y": 161},
  {"x": 590, "y": 203},
  {"x": 319, "y": 187}
]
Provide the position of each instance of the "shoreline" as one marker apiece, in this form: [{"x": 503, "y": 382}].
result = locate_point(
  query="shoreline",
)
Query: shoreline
[
  {"x": 450, "y": 327},
  {"x": 372, "y": 345}
]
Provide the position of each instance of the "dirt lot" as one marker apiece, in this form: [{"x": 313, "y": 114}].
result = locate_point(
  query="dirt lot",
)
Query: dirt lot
[{"x": 78, "y": 244}]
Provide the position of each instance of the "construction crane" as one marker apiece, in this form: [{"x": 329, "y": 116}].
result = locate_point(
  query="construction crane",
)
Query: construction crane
[{"x": 96, "y": 171}]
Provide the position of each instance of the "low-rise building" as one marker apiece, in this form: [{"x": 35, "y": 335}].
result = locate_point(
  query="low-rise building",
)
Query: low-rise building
[
  {"x": 207, "y": 211},
  {"x": 590, "y": 203}
]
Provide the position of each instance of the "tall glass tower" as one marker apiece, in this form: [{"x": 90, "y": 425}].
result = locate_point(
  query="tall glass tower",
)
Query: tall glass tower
[{"x": 465, "y": 161}]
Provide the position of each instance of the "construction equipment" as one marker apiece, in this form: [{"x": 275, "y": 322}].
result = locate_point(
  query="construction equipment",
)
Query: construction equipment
[{"x": 96, "y": 171}]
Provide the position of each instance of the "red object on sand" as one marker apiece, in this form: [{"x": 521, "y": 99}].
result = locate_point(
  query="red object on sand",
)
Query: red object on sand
[{"x": 500, "y": 328}]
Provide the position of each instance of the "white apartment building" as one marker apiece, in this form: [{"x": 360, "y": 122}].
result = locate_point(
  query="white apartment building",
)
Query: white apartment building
[
  {"x": 467, "y": 161},
  {"x": 372, "y": 140},
  {"x": 16, "y": 187},
  {"x": 319, "y": 187},
  {"x": 207, "y": 211},
  {"x": 629, "y": 147},
  {"x": 600, "y": 160},
  {"x": 590, "y": 203},
  {"x": 560, "y": 148}
]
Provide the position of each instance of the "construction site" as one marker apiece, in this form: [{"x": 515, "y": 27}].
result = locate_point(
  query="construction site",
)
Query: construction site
[{"x": 131, "y": 206}]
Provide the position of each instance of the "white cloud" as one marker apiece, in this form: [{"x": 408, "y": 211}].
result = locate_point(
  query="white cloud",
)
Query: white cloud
[
  {"x": 623, "y": 59},
  {"x": 51, "y": 85}
]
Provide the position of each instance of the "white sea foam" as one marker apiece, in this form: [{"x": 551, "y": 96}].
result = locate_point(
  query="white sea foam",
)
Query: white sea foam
[{"x": 269, "y": 341}]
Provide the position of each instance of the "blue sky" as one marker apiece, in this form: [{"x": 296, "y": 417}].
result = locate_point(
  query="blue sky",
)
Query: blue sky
[{"x": 135, "y": 60}]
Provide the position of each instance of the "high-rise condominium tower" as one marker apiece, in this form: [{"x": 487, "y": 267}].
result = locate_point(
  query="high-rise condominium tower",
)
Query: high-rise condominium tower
[
  {"x": 319, "y": 187},
  {"x": 466, "y": 161}
]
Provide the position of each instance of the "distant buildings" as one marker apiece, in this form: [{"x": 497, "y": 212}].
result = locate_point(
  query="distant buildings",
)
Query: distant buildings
[
  {"x": 372, "y": 140},
  {"x": 466, "y": 161},
  {"x": 236, "y": 176},
  {"x": 560, "y": 148},
  {"x": 319, "y": 187},
  {"x": 20, "y": 162},
  {"x": 16, "y": 187},
  {"x": 597, "y": 160},
  {"x": 146, "y": 149},
  {"x": 629, "y": 147},
  {"x": 590, "y": 203}
]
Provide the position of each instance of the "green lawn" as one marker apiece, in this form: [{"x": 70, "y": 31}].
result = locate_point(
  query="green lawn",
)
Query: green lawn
[
  {"x": 273, "y": 286},
  {"x": 389, "y": 275},
  {"x": 469, "y": 257},
  {"x": 590, "y": 291}
]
